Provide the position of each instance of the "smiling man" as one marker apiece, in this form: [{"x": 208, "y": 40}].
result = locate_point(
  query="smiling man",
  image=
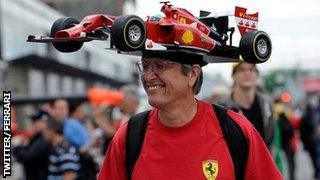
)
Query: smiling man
[{"x": 183, "y": 138}]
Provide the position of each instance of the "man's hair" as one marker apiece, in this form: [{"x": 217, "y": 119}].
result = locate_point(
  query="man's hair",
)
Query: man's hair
[
  {"x": 235, "y": 67},
  {"x": 187, "y": 68},
  {"x": 55, "y": 126},
  {"x": 73, "y": 107}
]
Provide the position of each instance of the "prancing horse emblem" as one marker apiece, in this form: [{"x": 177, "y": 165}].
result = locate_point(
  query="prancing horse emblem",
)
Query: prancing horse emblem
[{"x": 210, "y": 169}]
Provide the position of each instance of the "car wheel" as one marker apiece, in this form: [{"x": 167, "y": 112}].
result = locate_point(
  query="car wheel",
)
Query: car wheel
[
  {"x": 128, "y": 33},
  {"x": 255, "y": 47},
  {"x": 65, "y": 23}
]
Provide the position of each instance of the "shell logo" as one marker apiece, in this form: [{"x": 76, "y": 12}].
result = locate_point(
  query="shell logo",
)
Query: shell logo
[{"x": 187, "y": 37}]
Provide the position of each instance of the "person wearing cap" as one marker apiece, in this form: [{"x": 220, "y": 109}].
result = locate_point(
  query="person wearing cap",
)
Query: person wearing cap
[
  {"x": 34, "y": 155},
  {"x": 182, "y": 132},
  {"x": 246, "y": 99}
]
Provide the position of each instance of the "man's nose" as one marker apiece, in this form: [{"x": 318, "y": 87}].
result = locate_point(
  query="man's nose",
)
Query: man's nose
[{"x": 148, "y": 74}]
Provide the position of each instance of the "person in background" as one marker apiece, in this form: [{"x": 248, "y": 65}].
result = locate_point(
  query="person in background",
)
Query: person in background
[
  {"x": 63, "y": 158},
  {"x": 75, "y": 128},
  {"x": 288, "y": 139},
  {"x": 219, "y": 95},
  {"x": 277, "y": 146},
  {"x": 60, "y": 110},
  {"x": 247, "y": 100},
  {"x": 128, "y": 107},
  {"x": 34, "y": 154},
  {"x": 118, "y": 114}
]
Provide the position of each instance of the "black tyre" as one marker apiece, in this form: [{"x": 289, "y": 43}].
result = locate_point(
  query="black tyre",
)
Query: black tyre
[
  {"x": 255, "y": 47},
  {"x": 128, "y": 33},
  {"x": 65, "y": 23}
]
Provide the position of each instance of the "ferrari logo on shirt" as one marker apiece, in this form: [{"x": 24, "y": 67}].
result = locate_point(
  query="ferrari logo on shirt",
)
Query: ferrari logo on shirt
[{"x": 210, "y": 169}]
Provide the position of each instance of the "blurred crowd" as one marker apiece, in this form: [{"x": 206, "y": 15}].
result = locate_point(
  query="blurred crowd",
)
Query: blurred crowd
[
  {"x": 284, "y": 126},
  {"x": 68, "y": 139}
]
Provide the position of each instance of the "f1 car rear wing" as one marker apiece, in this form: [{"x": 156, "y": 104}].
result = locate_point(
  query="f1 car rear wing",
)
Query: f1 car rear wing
[{"x": 245, "y": 22}]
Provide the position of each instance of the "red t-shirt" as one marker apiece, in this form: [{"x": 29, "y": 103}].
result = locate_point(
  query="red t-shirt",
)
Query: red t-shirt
[{"x": 193, "y": 151}]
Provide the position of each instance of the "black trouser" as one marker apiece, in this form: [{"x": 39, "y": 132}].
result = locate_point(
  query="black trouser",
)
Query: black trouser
[
  {"x": 291, "y": 161},
  {"x": 313, "y": 154}
]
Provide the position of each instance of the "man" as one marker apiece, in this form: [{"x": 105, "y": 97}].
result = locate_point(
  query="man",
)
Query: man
[
  {"x": 127, "y": 107},
  {"x": 63, "y": 158},
  {"x": 73, "y": 130},
  {"x": 182, "y": 133},
  {"x": 60, "y": 110},
  {"x": 246, "y": 99},
  {"x": 34, "y": 155}
]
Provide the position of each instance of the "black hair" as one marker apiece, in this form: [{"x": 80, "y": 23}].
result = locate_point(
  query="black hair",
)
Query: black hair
[
  {"x": 55, "y": 125},
  {"x": 73, "y": 107}
]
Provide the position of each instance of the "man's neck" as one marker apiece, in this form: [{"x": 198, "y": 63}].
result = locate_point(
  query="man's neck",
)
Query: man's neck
[
  {"x": 244, "y": 97},
  {"x": 178, "y": 113}
]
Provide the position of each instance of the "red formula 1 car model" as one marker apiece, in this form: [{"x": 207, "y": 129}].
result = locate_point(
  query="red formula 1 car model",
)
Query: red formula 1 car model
[{"x": 178, "y": 30}]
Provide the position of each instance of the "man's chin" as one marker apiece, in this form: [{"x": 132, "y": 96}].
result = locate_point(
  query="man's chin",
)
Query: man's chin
[
  {"x": 154, "y": 102},
  {"x": 247, "y": 86}
]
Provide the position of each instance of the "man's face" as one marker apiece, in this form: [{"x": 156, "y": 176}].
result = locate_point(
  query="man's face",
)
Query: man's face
[
  {"x": 164, "y": 82},
  {"x": 245, "y": 76},
  {"x": 79, "y": 113},
  {"x": 38, "y": 126},
  {"x": 47, "y": 133},
  {"x": 129, "y": 105},
  {"x": 60, "y": 109}
]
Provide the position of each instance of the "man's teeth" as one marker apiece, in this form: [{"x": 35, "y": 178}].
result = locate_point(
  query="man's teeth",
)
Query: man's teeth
[{"x": 154, "y": 87}]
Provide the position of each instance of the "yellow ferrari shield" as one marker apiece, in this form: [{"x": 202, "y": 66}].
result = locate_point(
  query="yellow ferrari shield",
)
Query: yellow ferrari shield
[{"x": 210, "y": 169}]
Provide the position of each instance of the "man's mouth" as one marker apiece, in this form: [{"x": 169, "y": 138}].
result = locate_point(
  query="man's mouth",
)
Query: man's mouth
[{"x": 154, "y": 87}]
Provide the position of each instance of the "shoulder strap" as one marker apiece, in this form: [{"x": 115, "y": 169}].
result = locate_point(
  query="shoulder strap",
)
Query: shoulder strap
[
  {"x": 236, "y": 141},
  {"x": 136, "y": 130}
]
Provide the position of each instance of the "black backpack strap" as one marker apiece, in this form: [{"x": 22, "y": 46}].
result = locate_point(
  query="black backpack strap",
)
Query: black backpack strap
[
  {"x": 136, "y": 130},
  {"x": 236, "y": 141}
]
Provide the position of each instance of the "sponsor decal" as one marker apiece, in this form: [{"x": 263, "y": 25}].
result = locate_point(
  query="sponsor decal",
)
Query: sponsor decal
[
  {"x": 187, "y": 37},
  {"x": 150, "y": 45},
  {"x": 210, "y": 169},
  {"x": 182, "y": 20},
  {"x": 203, "y": 40},
  {"x": 153, "y": 45}
]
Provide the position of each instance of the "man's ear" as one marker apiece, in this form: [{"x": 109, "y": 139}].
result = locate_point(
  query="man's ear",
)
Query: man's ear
[{"x": 195, "y": 73}]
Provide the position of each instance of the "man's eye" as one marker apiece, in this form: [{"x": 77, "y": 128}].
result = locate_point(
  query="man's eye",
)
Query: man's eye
[
  {"x": 144, "y": 66},
  {"x": 160, "y": 66}
]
